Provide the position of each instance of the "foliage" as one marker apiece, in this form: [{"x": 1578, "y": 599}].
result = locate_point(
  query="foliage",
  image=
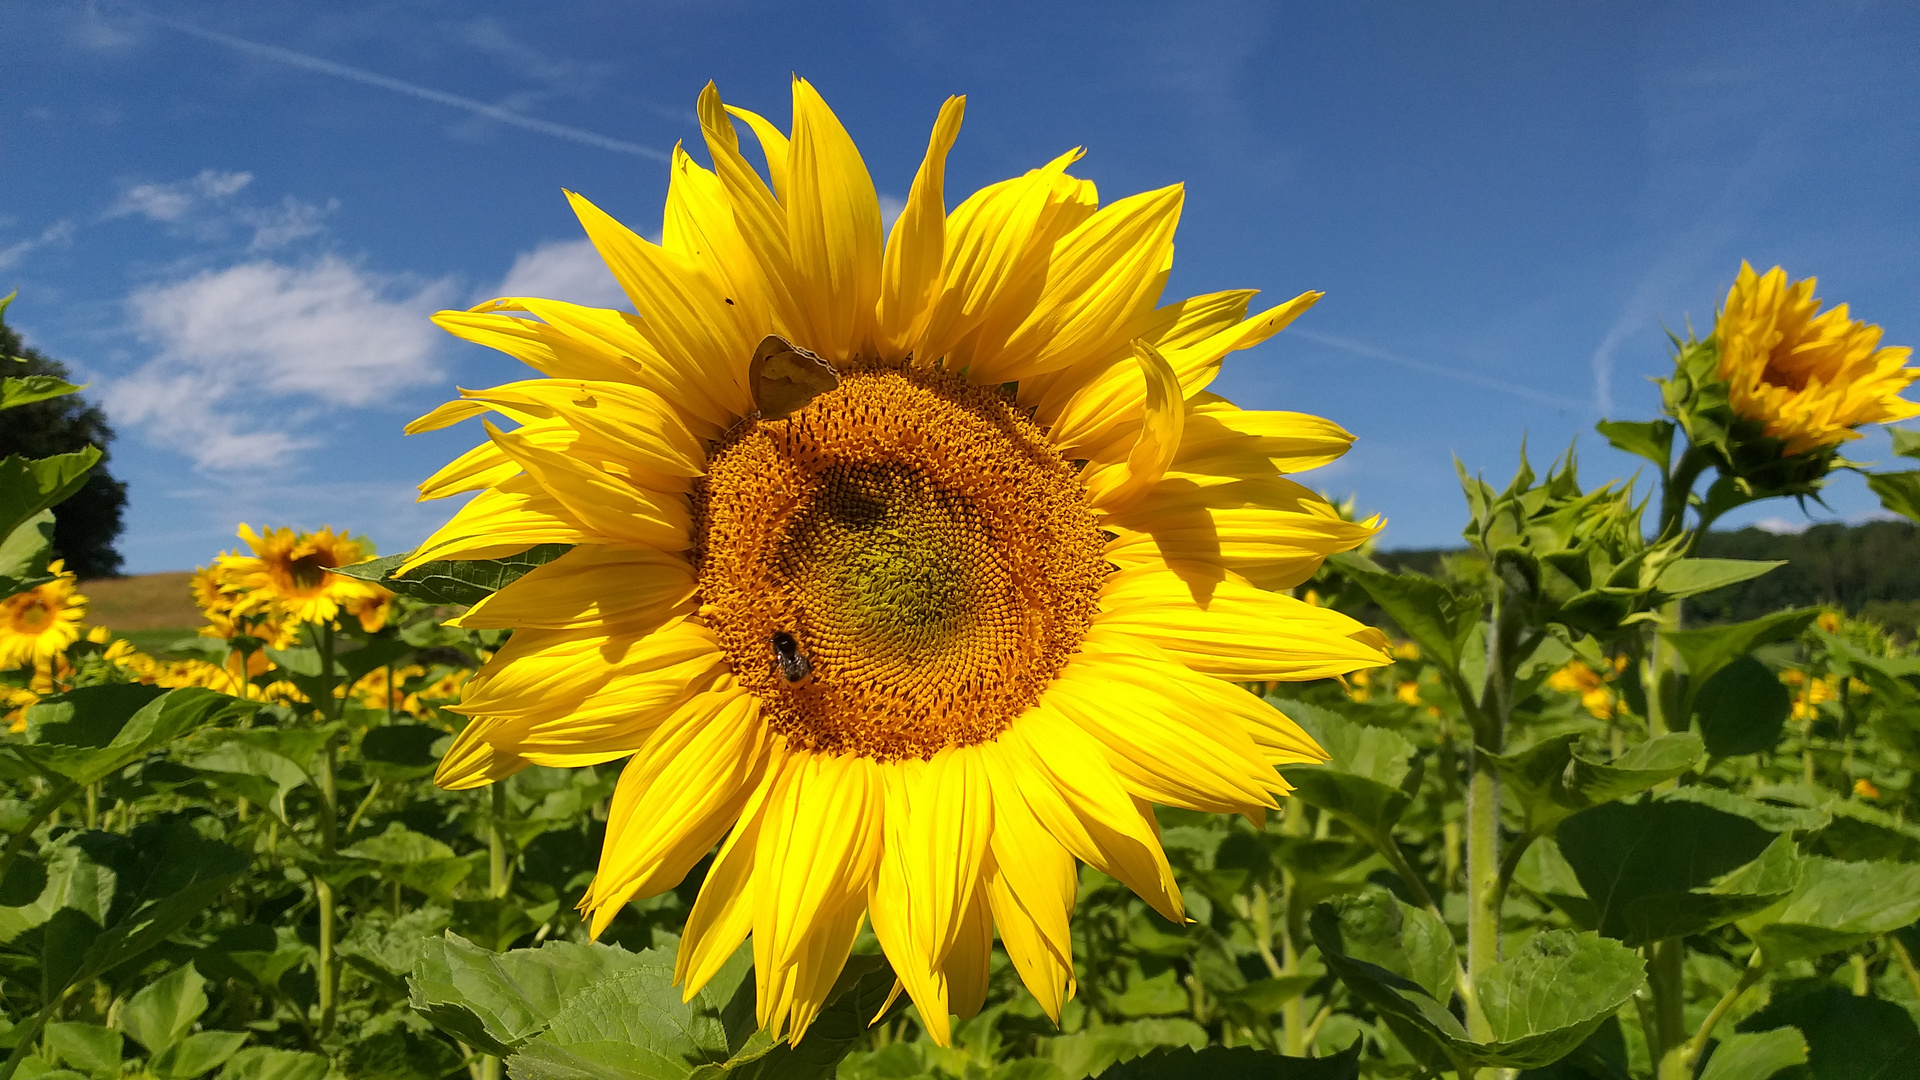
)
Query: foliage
[
  {"x": 44, "y": 420},
  {"x": 1564, "y": 835}
]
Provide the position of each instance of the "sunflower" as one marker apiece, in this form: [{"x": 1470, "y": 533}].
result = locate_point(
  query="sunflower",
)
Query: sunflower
[
  {"x": 286, "y": 577},
  {"x": 39, "y": 624},
  {"x": 1809, "y": 378},
  {"x": 907, "y": 573}
]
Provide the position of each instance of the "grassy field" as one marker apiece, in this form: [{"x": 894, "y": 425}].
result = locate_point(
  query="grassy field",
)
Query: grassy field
[{"x": 151, "y": 610}]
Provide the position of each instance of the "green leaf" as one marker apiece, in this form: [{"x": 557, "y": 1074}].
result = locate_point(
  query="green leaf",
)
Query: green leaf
[
  {"x": 398, "y": 752},
  {"x": 28, "y": 486},
  {"x": 1756, "y": 1056},
  {"x": 1652, "y": 439},
  {"x": 1848, "y": 1037},
  {"x": 198, "y": 1054},
  {"x": 1372, "y": 773},
  {"x": 1898, "y": 491},
  {"x": 90, "y": 1048},
  {"x": 164, "y": 1011},
  {"x": 24, "y": 553},
  {"x": 1542, "y": 1002},
  {"x": 1838, "y": 905},
  {"x": 1653, "y": 869},
  {"x": 261, "y": 1063},
  {"x": 1094, "y": 1051},
  {"x": 166, "y": 874},
  {"x": 1553, "y": 782},
  {"x": 27, "y": 389},
  {"x": 72, "y": 728},
  {"x": 1906, "y": 441},
  {"x": 1707, "y": 650},
  {"x": 1742, "y": 709},
  {"x": 1691, "y": 577},
  {"x": 1425, "y": 609},
  {"x": 454, "y": 583},
  {"x": 1236, "y": 1063},
  {"x": 497, "y": 1001}
]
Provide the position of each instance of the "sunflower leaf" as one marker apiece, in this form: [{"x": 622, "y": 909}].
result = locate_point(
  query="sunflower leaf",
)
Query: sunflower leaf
[
  {"x": 30, "y": 485},
  {"x": 1236, "y": 1063},
  {"x": 1838, "y": 905},
  {"x": 1372, "y": 774},
  {"x": 1691, "y": 577},
  {"x": 1553, "y": 781},
  {"x": 456, "y": 583},
  {"x": 23, "y": 555},
  {"x": 1707, "y": 650},
  {"x": 31, "y": 388},
  {"x": 1424, "y": 608},
  {"x": 1757, "y": 1055},
  {"x": 1542, "y": 1002},
  {"x": 1651, "y": 439},
  {"x": 1742, "y": 709},
  {"x": 1673, "y": 867},
  {"x": 1898, "y": 491},
  {"x": 88, "y": 734},
  {"x": 1906, "y": 441}
]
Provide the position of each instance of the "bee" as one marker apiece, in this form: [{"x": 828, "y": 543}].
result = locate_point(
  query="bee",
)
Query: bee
[{"x": 788, "y": 661}]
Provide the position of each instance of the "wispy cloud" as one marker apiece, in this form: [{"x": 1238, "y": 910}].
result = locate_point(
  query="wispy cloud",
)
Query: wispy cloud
[
  {"x": 1374, "y": 352},
  {"x": 244, "y": 352},
  {"x": 56, "y": 233},
  {"x": 424, "y": 93},
  {"x": 172, "y": 202}
]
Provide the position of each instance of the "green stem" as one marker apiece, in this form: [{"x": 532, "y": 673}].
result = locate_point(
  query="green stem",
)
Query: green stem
[
  {"x": 328, "y": 975},
  {"x": 1906, "y": 963},
  {"x": 41, "y": 812},
  {"x": 1483, "y": 809},
  {"x": 1666, "y": 981},
  {"x": 497, "y": 868},
  {"x": 1676, "y": 489},
  {"x": 1293, "y": 1015},
  {"x": 1690, "y": 1056}
]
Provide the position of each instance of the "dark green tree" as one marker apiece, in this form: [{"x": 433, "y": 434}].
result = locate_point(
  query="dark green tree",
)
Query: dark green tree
[{"x": 86, "y": 525}]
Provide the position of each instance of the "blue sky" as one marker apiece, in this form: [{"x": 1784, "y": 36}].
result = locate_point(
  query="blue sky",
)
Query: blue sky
[{"x": 234, "y": 218}]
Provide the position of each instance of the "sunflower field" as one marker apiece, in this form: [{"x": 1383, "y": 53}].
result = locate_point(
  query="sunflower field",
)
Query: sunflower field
[{"x": 882, "y": 657}]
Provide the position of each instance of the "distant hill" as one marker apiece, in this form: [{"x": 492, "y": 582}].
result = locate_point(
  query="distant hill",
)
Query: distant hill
[{"x": 1872, "y": 570}]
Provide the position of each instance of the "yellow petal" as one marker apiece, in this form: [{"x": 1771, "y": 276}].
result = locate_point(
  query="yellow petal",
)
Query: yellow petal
[
  {"x": 1101, "y": 284},
  {"x": 967, "y": 965},
  {"x": 698, "y": 224},
  {"x": 916, "y": 250},
  {"x": 503, "y": 521},
  {"x": 773, "y": 144},
  {"x": 1163, "y": 415},
  {"x": 680, "y": 794},
  {"x": 1046, "y": 970},
  {"x": 1222, "y": 437},
  {"x": 761, "y": 219},
  {"x": 1064, "y": 777},
  {"x": 606, "y": 507},
  {"x": 833, "y": 229},
  {"x": 1152, "y": 730},
  {"x": 722, "y": 915},
  {"x": 546, "y": 349},
  {"x": 1272, "y": 531},
  {"x": 816, "y": 856},
  {"x": 682, "y": 312},
  {"x": 617, "y": 336},
  {"x": 571, "y": 592},
  {"x": 1232, "y": 630}
]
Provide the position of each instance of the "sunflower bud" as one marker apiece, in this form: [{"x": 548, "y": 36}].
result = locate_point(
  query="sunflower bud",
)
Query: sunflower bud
[{"x": 1777, "y": 388}]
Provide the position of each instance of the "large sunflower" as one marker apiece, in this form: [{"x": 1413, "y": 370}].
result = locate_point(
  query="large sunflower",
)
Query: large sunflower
[
  {"x": 1808, "y": 377},
  {"x": 908, "y": 574},
  {"x": 38, "y": 624}
]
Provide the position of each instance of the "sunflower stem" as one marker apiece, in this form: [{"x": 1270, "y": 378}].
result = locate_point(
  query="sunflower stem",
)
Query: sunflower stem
[{"x": 327, "y": 973}]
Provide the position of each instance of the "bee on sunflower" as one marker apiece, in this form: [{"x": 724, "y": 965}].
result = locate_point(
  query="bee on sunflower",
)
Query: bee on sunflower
[{"x": 911, "y": 570}]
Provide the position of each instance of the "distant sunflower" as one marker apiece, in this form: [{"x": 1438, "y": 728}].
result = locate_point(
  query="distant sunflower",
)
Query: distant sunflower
[
  {"x": 1809, "y": 378},
  {"x": 39, "y": 624},
  {"x": 286, "y": 576},
  {"x": 906, "y": 573}
]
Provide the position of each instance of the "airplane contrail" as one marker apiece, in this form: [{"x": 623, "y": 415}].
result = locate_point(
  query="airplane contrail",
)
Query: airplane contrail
[
  {"x": 441, "y": 97},
  {"x": 1361, "y": 348}
]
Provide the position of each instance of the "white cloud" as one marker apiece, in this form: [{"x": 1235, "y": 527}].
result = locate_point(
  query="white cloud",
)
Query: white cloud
[
  {"x": 172, "y": 202},
  {"x": 57, "y": 233},
  {"x": 890, "y": 208},
  {"x": 292, "y": 220},
  {"x": 1780, "y": 526},
  {"x": 243, "y": 352},
  {"x": 569, "y": 270}
]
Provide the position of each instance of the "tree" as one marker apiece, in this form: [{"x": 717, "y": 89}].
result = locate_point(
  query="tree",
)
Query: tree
[{"x": 86, "y": 525}]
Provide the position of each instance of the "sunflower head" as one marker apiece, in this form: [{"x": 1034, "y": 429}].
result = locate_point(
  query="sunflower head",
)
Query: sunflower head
[
  {"x": 910, "y": 569},
  {"x": 287, "y": 578},
  {"x": 1780, "y": 384},
  {"x": 39, "y": 624}
]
